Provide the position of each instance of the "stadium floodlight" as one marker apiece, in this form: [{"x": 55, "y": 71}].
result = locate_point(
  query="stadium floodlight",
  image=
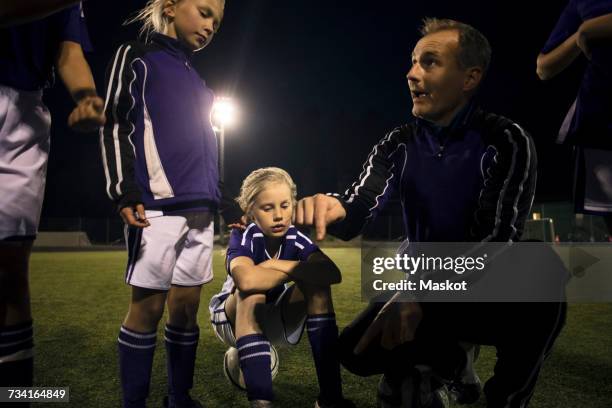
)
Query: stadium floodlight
[{"x": 223, "y": 113}]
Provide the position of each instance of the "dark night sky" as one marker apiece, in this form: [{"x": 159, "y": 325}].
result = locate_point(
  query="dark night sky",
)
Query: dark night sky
[{"x": 319, "y": 83}]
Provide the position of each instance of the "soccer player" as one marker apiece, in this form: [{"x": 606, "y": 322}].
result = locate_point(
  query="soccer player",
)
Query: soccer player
[
  {"x": 160, "y": 160},
  {"x": 462, "y": 175},
  {"x": 29, "y": 56},
  {"x": 257, "y": 306},
  {"x": 585, "y": 28}
]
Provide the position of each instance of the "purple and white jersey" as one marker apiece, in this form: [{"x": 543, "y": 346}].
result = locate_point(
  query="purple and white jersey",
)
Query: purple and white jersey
[
  {"x": 158, "y": 144},
  {"x": 589, "y": 121},
  {"x": 251, "y": 243},
  {"x": 28, "y": 51}
]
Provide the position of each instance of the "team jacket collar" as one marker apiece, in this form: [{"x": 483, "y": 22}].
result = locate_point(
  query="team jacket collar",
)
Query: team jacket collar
[
  {"x": 464, "y": 119},
  {"x": 172, "y": 45}
]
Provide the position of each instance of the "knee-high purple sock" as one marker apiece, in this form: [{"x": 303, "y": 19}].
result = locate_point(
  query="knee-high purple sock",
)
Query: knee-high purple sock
[
  {"x": 16, "y": 358},
  {"x": 254, "y": 353},
  {"x": 181, "y": 347},
  {"x": 135, "y": 362},
  {"x": 323, "y": 337}
]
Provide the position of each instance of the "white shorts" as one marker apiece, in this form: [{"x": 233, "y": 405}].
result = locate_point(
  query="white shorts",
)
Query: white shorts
[
  {"x": 24, "y": 149},
  {"x": 279, "y": 327},
  {"x": 593, "y": 181},
  {"x": 173, "y": 250}
]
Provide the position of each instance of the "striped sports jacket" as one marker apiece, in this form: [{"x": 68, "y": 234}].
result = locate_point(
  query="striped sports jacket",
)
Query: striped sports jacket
[
  {"x": 158, "y": 144},
  {"x": 473, "y": 181}
]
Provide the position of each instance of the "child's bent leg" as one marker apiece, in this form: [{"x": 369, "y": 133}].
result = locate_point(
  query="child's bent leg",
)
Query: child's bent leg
[
  {"x": 253, "y": 347},
  {"x": 323, "y": 337},
  {"x": 181, "y": 334},
  {"x": 137, "y": 340}
]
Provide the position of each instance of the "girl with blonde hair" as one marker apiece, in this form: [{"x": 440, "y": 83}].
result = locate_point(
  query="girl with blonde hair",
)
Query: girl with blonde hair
[
  {"x": 160, "y": 161},
  {"x": 258, "y": 307}
]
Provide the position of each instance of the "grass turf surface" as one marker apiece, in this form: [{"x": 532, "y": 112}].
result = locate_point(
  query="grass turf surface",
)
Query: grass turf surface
[{"x": 79, "y": 300}]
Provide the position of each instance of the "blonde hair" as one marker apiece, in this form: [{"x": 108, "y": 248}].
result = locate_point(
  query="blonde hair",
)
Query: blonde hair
[
  {"x": 153, "y": 18},
  {"x": 256, "y": 182}
]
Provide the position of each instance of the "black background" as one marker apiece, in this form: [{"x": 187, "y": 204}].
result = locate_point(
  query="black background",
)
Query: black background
[{"x": 319, "y": 83}]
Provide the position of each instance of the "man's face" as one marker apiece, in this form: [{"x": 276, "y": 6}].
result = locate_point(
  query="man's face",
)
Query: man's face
[
  {"x": 195, "y": 21},
  {"x": 435, "y": 79}
]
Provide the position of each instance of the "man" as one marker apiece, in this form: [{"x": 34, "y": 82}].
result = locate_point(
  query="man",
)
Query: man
[
  {"x": 461, "y": 175},
  {"x": 26, "y": 67}
]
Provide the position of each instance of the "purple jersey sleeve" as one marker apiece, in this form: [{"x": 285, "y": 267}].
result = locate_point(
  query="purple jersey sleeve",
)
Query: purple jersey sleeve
[
  {"x": 567, "y": 25},
  {"x": 594, "y": 8},
  {"x": 75, "y": 28},
  {"x": 305, "y": 247},
  {"x": 239, "y": 245}
]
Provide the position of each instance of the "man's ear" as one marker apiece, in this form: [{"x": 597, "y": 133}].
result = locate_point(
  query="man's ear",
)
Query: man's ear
[
  {"x": 473, "y": 76},
  {"x": 169, "y": 8}
]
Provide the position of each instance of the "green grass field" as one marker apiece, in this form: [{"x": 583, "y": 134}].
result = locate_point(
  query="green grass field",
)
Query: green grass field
[{"x": 79, "y": 300}]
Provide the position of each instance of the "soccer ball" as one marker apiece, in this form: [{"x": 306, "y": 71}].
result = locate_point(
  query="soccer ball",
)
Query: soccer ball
[{"x": 232, "y": 371}]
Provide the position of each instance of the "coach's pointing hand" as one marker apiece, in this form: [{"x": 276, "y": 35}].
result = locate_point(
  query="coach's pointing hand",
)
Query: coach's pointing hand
[
  {"x": 134, "y": 216},
  {"x": 319, "y": 210}
]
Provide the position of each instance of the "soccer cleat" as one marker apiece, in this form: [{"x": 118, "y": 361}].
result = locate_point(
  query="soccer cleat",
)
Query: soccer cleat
[
  {"x": 261, "y": 404},
  {"x": 191, "y": 404},
  {"x": 344, "y": 403},
  {"x": 418, "y": 390},
  {"x": 389, "y": 395},
  {"x": 466, "y": 388},
  {"x": 464, "y": 394}
]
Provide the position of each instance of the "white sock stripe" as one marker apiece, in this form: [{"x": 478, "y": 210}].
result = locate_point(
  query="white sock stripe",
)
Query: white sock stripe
[
  {"x": 320, "y": 319},
  {"x": 17, "y": 356},
  {"x": 255, "y": 343},
  {"x": 263, "y": 353},
  {"x": 137, "y": 335},
  {"x": 16, "y": 342},
  {"x": 10, "y": 333},
  {"x": 182, "y": 343},
  {"x": 181, "y": 333},
  {"x": 136, "y": 346},
  {"x": 218, "y": 317}
]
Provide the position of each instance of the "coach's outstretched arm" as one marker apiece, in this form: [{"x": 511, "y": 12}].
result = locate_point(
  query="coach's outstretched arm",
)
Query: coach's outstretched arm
[
  {"x": 350, "y": 212},
  {"x": 118, "y": 156},
  {"x": 14, "y": 12}
]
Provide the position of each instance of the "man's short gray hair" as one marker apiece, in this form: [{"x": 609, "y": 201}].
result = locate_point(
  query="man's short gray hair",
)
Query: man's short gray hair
[{"x": 474, "y": 48}]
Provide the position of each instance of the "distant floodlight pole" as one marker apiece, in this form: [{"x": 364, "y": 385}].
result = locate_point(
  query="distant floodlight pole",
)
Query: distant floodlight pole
[{"x": 223, "y": 115}]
